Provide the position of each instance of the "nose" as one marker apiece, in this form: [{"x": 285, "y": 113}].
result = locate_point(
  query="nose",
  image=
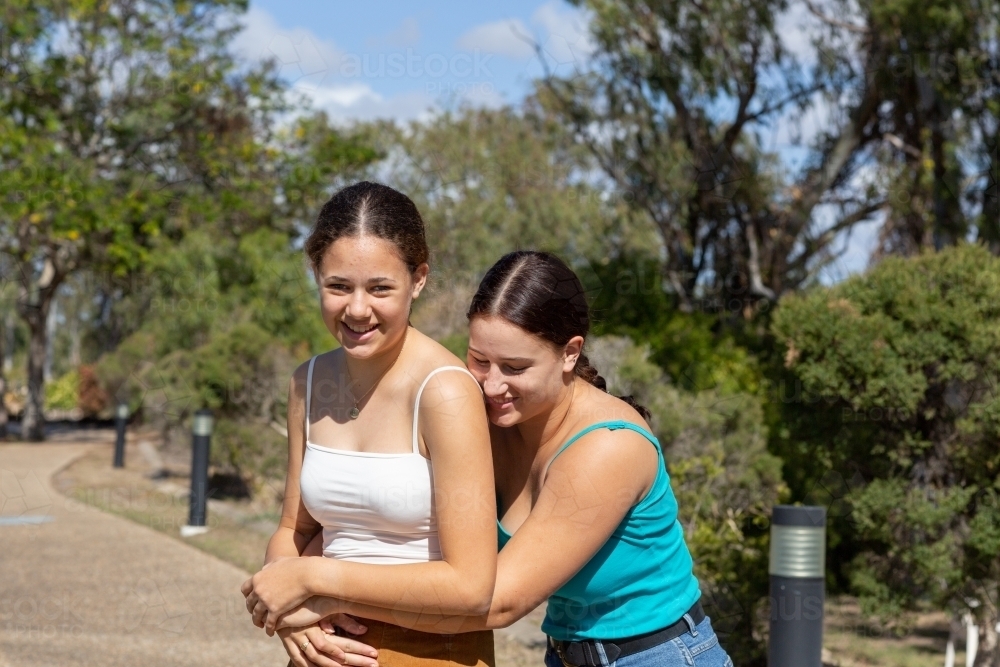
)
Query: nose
[
  {"x": 494, "y": 383},
  {"x": 358, "y": 307}
]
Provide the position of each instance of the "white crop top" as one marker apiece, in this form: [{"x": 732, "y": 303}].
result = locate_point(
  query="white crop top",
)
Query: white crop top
[{"x": 374, "y": 507}]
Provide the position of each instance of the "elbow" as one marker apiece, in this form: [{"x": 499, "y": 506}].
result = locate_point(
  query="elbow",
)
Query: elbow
[
  {"x": 503, "y": 618},
  {"x": 505, "y": 610},
  {"x": 475, "y": 595},
  {"x": 479, "y": 601}
]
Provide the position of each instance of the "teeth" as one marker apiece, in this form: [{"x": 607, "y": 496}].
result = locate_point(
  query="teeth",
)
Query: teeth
[{"x": 360, "y": 330}]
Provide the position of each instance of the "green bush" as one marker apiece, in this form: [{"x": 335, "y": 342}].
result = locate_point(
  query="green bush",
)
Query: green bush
[
  {"x": 226, "y": 325},
  {"x": 906, "y": 358},
  {"x": 63, "y": 392}
]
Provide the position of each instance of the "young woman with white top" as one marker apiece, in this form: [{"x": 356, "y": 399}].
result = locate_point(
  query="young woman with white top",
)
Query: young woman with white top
[
  {"x": 588, "y": 521},
  {"x": 389, "y": 467}
]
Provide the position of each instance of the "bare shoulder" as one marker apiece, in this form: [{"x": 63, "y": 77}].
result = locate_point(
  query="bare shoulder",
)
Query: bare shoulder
[
  {"x": 594, "y": 406},
  {"x": 620, "y": 453},
  {"x": 297, "y": 383},
  {"x": 431, "y": 353},
  {"x": 605, "y": 446},
  {"x": 427, "y": 356}
]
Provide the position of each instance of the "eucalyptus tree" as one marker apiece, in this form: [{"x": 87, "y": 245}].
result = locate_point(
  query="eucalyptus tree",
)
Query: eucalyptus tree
[
  {"x": 122, "y": 124},
  {"x": 675, "y": 100}
]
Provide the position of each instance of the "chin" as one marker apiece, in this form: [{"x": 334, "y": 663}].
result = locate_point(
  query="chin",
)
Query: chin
[{"x": 505, "y": 420}]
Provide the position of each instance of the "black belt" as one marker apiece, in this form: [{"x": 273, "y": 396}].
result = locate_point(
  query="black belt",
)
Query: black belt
[{"x": 585, "y": 653}]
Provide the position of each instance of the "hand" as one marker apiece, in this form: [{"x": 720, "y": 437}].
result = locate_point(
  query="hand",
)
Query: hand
[
  {"x": 276, "y": 590},
  {"x": 324, "y": 648},
  {"x": 279, "y": 558},
  {"x": 312, "y": 611}
]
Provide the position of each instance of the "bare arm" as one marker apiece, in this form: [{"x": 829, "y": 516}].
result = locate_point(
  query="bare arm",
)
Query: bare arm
[
  {"x": 296, "y": 527},
  {"x": 588, "y": 491},
  {"x": 454, "y": 427}
]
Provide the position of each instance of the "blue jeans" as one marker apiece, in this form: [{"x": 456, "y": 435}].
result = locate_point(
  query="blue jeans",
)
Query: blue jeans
[{"x": 698, "y": 648}]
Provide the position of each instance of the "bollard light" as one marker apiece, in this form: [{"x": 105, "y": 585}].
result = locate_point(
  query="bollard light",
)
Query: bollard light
[
  {"x": 202, "y": 424},
  {"x": 121, "y": 419},
  {"x": 797, "y": 569},
  {"x": 201, "y": 436}
]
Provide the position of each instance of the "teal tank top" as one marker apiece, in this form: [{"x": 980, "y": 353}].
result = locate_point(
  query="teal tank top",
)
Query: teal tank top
[{"x": 641, "y": 580}]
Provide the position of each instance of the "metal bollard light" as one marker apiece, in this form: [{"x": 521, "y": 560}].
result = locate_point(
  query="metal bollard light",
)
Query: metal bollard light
[
  {"x": 201, "y": 436},
  {"x": 797, "y": 569},
  {"x": 121, "y": 419}
]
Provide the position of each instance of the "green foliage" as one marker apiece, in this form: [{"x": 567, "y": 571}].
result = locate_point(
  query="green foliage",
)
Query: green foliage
[
  {"x": 457, "y": 344},
  {"x": 63, "y": 392},
  {"x": 491, "y": 181},
  {"x": 694, "y": 349},
  {"x": 226, "y": 323},
  {"x": 906, "y": 359},
  {"x": 723, "y": 477},
  {"x": 676, "y": 99},
  {"x": 121, "y": 124}
]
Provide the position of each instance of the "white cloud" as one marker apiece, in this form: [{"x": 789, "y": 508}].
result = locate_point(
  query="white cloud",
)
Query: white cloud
[
  {"x": 508, "y": 38},
  {"x": 345, "y": 96},
  {"x": 407, "y": 34},
  {"x": 567, "y": 35},
  {"x": 312, "y": 66},
  {"x": 304, "y": 60},
  {"x": 357, "y": 101}
]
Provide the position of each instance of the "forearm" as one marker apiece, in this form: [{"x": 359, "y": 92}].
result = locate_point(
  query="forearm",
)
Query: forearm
[
  {"x": 502, "y": 613},
  {"x": 286, "y": 542},
  {"x": 423, "y": 588},
  {"x": 435, "y": 623}
]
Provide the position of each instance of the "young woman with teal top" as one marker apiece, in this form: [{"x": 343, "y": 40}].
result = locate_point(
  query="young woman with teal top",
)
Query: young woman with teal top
[{"x": 587, "y": 519}]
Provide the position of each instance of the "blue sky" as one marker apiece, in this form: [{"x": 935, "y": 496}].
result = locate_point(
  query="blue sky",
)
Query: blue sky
[
  {"x": 390, "y": 59},
  {"x": 395, "y": 59}
]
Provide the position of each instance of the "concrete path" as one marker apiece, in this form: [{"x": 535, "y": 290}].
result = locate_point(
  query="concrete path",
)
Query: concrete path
[{"x": 80, "y": 587}]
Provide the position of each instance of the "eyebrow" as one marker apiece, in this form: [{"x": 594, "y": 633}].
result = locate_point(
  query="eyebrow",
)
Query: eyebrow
[
  {"x": 517, "y": 359},
  {"x": 377, "y": 279}
]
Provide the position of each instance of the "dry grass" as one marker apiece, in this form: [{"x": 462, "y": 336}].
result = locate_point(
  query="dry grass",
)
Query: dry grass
[
  {"x": 239, "y": 529},
  {"x": 851, "y": 641}
]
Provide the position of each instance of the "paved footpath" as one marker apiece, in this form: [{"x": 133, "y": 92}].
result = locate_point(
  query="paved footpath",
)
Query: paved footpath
[{"x": 89, "y": 588}]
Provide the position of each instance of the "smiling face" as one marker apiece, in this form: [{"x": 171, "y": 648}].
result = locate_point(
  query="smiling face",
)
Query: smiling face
[
  {"x": 365, "y": 293},
  {"x": 522, "y": 375}
]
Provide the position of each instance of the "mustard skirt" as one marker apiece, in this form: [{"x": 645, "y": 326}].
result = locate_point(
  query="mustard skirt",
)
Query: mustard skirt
[{"x": 402, "y": 647}]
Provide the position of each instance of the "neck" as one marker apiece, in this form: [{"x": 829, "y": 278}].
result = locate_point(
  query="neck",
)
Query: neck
[
  {"x": 541, "y": 432},
  {"x": 364, "y": 372}
]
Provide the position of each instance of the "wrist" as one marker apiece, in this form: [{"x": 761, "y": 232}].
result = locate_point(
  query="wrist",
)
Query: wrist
[
  {"x": 325, "y": 606},
  {"x": 311, "y": 573}
]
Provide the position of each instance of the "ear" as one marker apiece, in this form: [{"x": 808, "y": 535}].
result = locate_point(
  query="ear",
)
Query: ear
[
  {"x": 419, "y": 279},
  {"x": 571, "y": 352}
]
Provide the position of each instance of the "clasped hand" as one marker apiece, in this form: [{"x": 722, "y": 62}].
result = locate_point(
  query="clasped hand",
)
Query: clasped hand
[
  {"x": 278, "y": 600},
  {"x": 278, "y": 588}
]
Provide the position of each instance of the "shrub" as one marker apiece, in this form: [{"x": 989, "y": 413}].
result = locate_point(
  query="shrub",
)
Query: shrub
[{"x": 907, "y": 356}]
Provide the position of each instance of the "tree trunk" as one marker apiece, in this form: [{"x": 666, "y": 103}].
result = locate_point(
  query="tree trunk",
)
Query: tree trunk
[
  {"x": 37, "y": 293},
  {"x": 989, "y": 651},
  {"x": 33, "y": 424},
  {"x": 3, "y": 377},
  {"x": 989, "y": 640}
]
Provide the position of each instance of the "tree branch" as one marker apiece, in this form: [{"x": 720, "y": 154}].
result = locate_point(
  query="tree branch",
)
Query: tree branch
[{"x": 836, "y": 23}]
